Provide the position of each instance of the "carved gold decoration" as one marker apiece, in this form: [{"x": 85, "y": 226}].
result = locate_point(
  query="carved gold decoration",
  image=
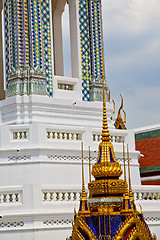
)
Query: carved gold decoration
[
  {"x": 120, "y": 123},
  {"x": 106, "y": 167},
  {"x": 106, "y": 187},
  {"x": 79, "y": 227},
  {"x": 138, "y": 229}
]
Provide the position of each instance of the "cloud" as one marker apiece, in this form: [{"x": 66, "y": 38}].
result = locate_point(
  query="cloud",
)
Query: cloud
[{"x": 132, "y": 53}]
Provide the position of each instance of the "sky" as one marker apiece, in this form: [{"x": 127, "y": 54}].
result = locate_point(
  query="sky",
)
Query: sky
[{"x": 131, "y": 32}]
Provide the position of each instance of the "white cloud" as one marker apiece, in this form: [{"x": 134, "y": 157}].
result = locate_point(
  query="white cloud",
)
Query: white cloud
[
  {"x": 132, "y": 52},
  {"x": 131, "y": 16}
]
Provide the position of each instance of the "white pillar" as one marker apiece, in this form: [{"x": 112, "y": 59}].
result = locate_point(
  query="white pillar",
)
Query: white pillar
[{"x": 58, "y": 42}]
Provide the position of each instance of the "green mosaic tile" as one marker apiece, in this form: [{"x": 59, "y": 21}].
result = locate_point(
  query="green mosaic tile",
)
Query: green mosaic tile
[
  {"x": 150, "y": 169},
  {"x": 147, "y": 135}
]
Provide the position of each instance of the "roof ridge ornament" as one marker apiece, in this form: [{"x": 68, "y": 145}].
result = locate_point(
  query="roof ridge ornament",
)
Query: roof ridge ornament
[{"x": 120, "y": 122}]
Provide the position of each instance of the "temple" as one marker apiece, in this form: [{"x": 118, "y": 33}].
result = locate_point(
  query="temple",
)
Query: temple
[{"x": 45, "y": 114}]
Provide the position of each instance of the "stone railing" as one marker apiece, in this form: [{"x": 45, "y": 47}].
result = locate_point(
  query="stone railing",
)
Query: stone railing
[
  {"x": 20, "y": 135},
  {"x": 63, "y": 135},
  {"x": 64, "y": 86},
  {"x": 147, "y": 193},
  {"x": 75, "y": 194},
  {"x": 114, "y": 138},
  {"x": 11, "y": 195},
  {"x": 61, "y": 195}
]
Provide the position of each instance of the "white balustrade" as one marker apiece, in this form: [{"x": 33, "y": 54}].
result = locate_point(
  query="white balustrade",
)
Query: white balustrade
[
  {"x": 75, "y": 195},
  {"x": 114, "y": 138},
  {"x": 11, "y": 196},
  {"x": 146, "y": 195},
  {"x": 69, "y": 136},
  {"x": 20, "y": 135},
  {"x": 64, "y": 86},
  {"x": 61, "y": 195}
]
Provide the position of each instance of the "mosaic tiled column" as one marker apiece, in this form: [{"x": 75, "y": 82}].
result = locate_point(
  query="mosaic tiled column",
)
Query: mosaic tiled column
[
  {"x": 91, "y": 49},
  {"x": 28, "y": 47}
]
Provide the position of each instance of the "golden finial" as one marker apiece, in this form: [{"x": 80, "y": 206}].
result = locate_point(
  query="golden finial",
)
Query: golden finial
[
  {"x": 105, "y": 131},
  {"x": 89, "y": 164},
  {"x": 83, "y": 186},
  {"x": 113, "y": 106},
  {"x": 83, "y": 208},
  {"x": 129, "y": 175}
]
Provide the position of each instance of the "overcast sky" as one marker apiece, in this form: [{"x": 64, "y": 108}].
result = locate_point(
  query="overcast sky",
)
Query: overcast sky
[
  {"x": 131, "y": 30},
  {"x": 132, "y": 57}
]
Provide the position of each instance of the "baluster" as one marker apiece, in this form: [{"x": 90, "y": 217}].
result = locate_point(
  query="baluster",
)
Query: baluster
[
  {"x": 20, "y": 135},
  {"x": 74, "y": 196},
  {"x": 94, "y": 137},
  {"x": 69, "y": 196},
  {"x": 63, "y": 196},
  {"x": 10, "y": 197},
  {"x": 17, "y": 197},
  {"x": 77, "y": 136},
  {"x": 51, "y": 196},
  {"x": 60, "y": 136},
  {"x": 137, "y": 195},
  {"x": 25, "y": 135},
  {"x": 57, "y": 196},
  {"x": 70, "y": 136},
  {"x": 60, "y": 196},
  {"x": 49, "y": 135},
  {"x": 55, "y": 134},
  {"x": 4, "y": 198},
  {"x": 63, "y": 136},
  {"x": 14, "y": 197},
  {"x": 45, "y": 196},
  {"x": 74, "y": 136}
]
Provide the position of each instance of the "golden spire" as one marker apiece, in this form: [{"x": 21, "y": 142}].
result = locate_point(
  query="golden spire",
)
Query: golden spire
[
  {"x": 83, "y": 208},
  {"x": 106, "y": 165},
  {"x": 89, "y": 164},
  {"x": 105, "y": 131},
  {"x": 83, "y": 186}
]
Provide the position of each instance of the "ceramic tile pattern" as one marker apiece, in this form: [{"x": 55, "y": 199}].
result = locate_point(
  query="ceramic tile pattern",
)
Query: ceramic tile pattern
[{"x": 28, "y": 39}]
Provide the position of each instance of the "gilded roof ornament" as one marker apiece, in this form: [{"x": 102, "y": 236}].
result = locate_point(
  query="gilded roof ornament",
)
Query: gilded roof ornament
[
  {"x": 120, "y": 122},
  {"x": 83, "y": 208}
]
